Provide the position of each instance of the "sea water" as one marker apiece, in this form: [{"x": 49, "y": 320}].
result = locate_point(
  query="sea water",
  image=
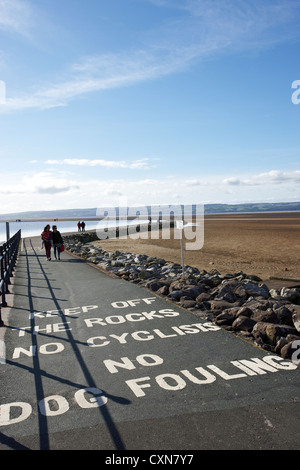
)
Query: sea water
[{"x": 33, "y": 229}]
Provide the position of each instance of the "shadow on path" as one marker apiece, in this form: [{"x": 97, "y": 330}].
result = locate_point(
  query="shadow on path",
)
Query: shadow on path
[{"x": 39, "y": 373}]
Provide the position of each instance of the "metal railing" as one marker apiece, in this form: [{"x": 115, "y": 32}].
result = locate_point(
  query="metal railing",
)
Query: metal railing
[{"x": 8, "y": 257}]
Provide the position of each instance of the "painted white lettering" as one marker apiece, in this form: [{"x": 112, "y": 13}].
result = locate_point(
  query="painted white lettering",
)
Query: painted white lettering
[
  {"x": 151, "y": 315},
  {"x": 93, "y": 342},
  {"x": 51, "y": 313},
  {"x": 90, "y": 322},
  {"x": 37, "y": 329},
  {"x": 32, "y": 315},
  {"x": 119, "y": 304},
  {"x": 87, "y": 308},
  {"x": 149, "y": 360},
  {"x": 224, "y": 375},
  {"x": 18, "y": 351},
  {"x": 179, "y": 383},
  {"x": 138, "y": 335},
  {"x": 149, "y": 300},
  {"x": 120, "y": 338},
  {"x": 112, "y": 365},
  {"x": 162, "y": 335},
  {"x": 61, "y": 327},
  {"x": 22, "y": 330},
  {"x": 51, "y": 348},
  {"x": 115, "y": 319},
  {"x": 9, "y": 409},
  {"x": 132, "y": 316},
  {"x": 279, "y": 363},
  {"x": 68, "y": 312},
  {"x": 209, "y": 378},
  {"x": 243, "y": 368},
  {"x": 169, "y": 312},
  {"x": 97, "y": 400},
  {"x": 211, "y": 327},
  {"x": 134, "y": 302},
  {"x": 178, "y": 331},
  {"x": 188, "y": 329},
  {"x": 137, "y": 387},
  {"x": 53, "y": 406},
  {"x": 143, "y": 359},
  {"x": 258, "y": 366},
  {"x": 72, "y": 310}
]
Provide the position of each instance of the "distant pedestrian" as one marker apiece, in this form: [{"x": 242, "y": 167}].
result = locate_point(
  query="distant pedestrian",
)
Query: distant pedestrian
[
  {"x": 83, "y": 226},
  {"x": 47, "y": 240},
  {"x": 79, "y": 225},
  {"x": 57, "y": 241}
]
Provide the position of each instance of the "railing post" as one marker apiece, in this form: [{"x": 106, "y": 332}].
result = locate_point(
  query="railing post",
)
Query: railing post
[
  {"x": 8, "y": 258},
  {"x": 7, "y": 231},
  {"x": 2, "y": 283}
]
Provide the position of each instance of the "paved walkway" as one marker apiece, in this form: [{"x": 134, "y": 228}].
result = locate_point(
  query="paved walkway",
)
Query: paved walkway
[{"x": 93, "y": 362}]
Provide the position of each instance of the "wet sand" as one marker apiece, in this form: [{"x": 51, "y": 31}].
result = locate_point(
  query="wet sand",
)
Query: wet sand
[{"x": 264, "y": 244}]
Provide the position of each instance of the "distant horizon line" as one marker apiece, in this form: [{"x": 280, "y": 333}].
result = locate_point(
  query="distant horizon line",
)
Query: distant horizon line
[{"x": 208, "y": 209}]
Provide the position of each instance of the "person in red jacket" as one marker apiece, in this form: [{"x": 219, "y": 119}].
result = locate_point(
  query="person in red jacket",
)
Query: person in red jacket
[{"x": 47, "y": 239}]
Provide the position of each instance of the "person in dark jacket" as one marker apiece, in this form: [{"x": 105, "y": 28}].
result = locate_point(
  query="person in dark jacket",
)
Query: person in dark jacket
[{"x": 57, "y": 241}]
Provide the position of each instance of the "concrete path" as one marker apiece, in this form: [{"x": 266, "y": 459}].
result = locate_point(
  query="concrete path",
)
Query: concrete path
[{"x": 93, "y": 362}]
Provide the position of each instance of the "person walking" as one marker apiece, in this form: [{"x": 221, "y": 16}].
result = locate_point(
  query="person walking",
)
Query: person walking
[
  {"x": 79, "y": 225},
  {"x": 47, "y": 240},
  {"x": 57, "y": 241},
  {"x": 82, "y": 226}
]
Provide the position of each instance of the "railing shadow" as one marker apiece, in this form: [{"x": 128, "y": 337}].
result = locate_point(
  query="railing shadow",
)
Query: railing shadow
[
  {"x": 12, "y": 443},
  {"x": 38, "y": 373}
]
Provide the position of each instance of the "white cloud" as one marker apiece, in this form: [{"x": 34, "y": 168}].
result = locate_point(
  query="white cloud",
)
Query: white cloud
[
  {"x": 48, "y": 189},
  {"x": 272, "y": 177},
  {"x": 141, "y": 164},
  {"x": 231, "y": 181}
]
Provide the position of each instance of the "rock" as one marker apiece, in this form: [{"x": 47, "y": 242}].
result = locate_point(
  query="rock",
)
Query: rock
[
  {"x": 270, "y": 333},
  {"x": 226, "y": 293},
  {"x": 292, "y": 295},
  {"x": 285, "y": 315},
  {"x": 279, "y": 345},
  {"x": 164, "y": 290},
  {"x": 245, "y": 311},
  {"x": 296, "y": 321},
  {"x": 175, "y": 295},
  {"x": 193, "y": 291},
  {"x": 219, "y": 304},
  {"x": 274, "y": 293},
  {"x": 288, "y": 350},
  {"x": 225, "y": 318},
  {"x": 265, "y": 316},
  {"x": 186, "y": 302},
  {"x": 154, "y": 285},
  {"x": 243, "y": 323},
  {"x": 144, "y": 275},
  {"x": 255, "y": 289}
]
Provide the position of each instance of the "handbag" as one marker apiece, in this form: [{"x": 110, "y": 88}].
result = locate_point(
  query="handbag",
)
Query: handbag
[{"x": 62, "y": 248}]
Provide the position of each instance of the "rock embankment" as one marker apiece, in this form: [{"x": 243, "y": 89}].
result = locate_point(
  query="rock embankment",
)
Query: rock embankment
[{"x": 237, "y": 302}]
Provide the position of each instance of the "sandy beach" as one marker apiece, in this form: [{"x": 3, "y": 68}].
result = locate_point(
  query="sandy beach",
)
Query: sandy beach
[{"x": 264, "y": 244}]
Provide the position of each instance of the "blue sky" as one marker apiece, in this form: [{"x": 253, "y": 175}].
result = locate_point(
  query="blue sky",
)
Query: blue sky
[{"x": 112, "y": 102}]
